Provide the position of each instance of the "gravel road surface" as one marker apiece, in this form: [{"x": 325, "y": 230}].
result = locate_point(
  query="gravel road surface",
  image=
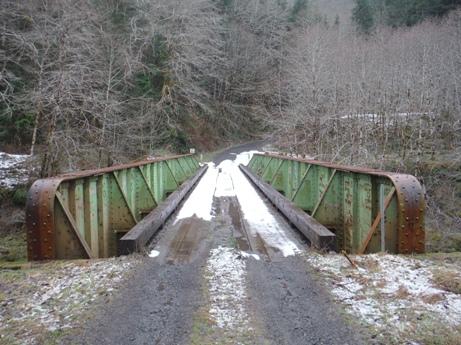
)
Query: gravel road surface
[{"x": 239, "y": 276}]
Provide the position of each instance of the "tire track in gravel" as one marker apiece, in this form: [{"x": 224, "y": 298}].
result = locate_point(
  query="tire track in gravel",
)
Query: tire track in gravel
[{"x": 237, "y": 277}]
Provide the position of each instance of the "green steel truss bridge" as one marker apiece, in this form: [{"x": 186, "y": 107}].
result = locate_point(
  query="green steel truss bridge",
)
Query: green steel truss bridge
[{"x": 112, "y": 211}]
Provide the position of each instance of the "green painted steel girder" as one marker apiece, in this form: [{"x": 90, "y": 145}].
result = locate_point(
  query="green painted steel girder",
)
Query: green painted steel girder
[
  {"x": 349, "y": 202},
  {"x": 83, "y": 214}
]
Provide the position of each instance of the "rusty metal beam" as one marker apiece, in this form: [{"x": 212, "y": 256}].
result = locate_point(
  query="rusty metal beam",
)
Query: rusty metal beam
[
  {"x": 346, "y": 200},
  {"x": 80, "y": 215}
]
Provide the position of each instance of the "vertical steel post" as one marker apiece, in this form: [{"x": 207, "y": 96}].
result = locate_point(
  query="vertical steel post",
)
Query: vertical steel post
[{"x": 383, "y": 216}]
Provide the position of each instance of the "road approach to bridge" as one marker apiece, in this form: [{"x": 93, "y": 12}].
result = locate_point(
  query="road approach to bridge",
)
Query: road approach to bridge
[{"x": 225, "y": 269}]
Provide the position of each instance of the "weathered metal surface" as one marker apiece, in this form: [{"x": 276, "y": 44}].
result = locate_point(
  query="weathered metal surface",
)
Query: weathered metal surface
[
  {"x": 347, "y": 201},
  {"x": 137, "y": 237},
  {"x": 82, "y": 214},
  {"x": 317, "y": 234}
]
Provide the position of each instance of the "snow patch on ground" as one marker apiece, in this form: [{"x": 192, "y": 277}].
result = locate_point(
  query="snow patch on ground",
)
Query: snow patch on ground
[
  {"x": 13, "y": 170},
  {"x": 389, "y": 291},
  {"x": 256, "y": 213},
  {"x": 154, "y": 253},
  {"x": 53, "y": 297},
  {"x": 227, "y": 180},
  {"x": 248, "y": 255},
  {"x": 200, "y": 200},
  {"x": 226, "y": 275}
]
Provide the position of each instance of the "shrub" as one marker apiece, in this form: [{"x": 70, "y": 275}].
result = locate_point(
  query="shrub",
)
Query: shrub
[{"x": 20, "y": 197}]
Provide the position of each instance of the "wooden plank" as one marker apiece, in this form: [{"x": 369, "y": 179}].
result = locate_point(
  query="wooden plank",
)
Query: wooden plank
[
  {"x": 315, "y": 232},
  {"x": 137, "y": 238}
]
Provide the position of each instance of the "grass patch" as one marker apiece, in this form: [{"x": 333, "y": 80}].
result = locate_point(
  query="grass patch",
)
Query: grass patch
[
  {"x": 13, "y": 247},
  {"x": 202, "y": 331},
  {"x": 439, "y": 334},
  {"x": 205, "y": 157},
  {"x": 43, "y": 302},
  {"x": 448, "y": 280}
]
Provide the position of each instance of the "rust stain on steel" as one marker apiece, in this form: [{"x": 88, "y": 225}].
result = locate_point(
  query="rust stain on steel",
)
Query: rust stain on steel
[
  {"x": 39, "y": 219},
  {"x": 85, "y": 173},
  {"x": 409, "y": 200},
  {"x": 42, "y": 206},
  {"x": 411, "y": 236},
  {"x": 325, "y": 164}
]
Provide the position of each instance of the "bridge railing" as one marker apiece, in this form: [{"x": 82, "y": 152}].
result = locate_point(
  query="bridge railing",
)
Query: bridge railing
[
  {"x": 350, "y": 201},
  {"x": 84, "y": 214}
]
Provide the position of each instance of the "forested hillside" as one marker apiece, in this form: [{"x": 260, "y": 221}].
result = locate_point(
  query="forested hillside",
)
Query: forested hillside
[
  {"x": 106, "y": 81},
  {"x": 91, "y": 83},
  {"x": 369, "y": 13}
]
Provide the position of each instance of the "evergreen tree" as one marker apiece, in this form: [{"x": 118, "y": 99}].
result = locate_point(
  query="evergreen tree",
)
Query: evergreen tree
[
  {"x": 411, "y": 12},
  {"x": 363, "y": 16},
  {"x": 298, "y": 7},
  {"x": 336, "y": 23}
]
